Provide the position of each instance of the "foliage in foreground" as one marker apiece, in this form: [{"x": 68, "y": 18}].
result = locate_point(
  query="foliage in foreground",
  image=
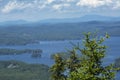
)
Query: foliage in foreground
[
  {"x": 88, "y": 66},
  {"x": 14, "y": 70}
]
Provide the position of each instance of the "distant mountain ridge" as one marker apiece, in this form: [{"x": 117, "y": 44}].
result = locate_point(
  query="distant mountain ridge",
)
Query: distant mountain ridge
[
  {"x": 86, "y": 18},
  {"x": 22, "y": 34},
  {"x": 13, "y": 22},
  {"x": 82, "y": 19}
]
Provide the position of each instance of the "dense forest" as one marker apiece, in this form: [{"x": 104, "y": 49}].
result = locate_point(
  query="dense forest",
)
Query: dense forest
[
  {"x": 15, "y": 70},
  {"x": 35, "y": 32}
]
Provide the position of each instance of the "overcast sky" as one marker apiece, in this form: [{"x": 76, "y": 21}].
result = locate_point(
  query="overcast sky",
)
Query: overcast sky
[{"x": 34, "y": 10}]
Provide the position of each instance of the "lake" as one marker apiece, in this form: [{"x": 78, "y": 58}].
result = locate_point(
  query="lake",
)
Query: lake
[{"x": 51, "y": 47}]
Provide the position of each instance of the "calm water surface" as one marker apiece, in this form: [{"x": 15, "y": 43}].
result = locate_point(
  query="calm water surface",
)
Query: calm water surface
[{"x": 50, "y": 47}]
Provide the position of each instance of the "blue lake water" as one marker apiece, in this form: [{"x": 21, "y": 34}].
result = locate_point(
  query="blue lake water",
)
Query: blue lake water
[{"x": 50, "y": 47}]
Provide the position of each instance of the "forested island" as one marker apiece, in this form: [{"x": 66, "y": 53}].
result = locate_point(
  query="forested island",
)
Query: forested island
[{"x": 34, "y": 52}]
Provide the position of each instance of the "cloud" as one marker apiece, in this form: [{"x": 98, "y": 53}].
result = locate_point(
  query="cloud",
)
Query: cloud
[
  {"x": 14, "y": 5},
  {"x": 70, "y": 0},
  {"x": 43, "y": 4},
  {"x": 57, "y": 7},
  {"x": 93, "y": 3},
  {"x": 60, "y": 6},
  {"x": 50, "y": 1},
  {"x": 65, "y": 5},
  {"x": 22, "y": 5},
  {"x": 117, "y": 6}
]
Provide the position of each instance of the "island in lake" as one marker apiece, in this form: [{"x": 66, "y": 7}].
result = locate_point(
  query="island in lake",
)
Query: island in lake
[{"x": 35, "y": 53}]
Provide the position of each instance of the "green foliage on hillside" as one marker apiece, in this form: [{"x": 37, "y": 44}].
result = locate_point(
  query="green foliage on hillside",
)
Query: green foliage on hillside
[
  {"x": 33, "y": 33},
  {"x": 88, "y": 66},
  {"x": 14, "y": 70}
]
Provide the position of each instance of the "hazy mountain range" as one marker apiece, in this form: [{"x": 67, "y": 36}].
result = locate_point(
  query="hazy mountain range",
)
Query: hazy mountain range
[
  {"x": 21, "y": 32},
  {"x": 83, "y": 19},
  {"x": 87, "y": 18}
]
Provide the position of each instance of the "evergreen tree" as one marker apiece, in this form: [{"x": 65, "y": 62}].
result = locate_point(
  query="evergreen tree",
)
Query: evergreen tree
[
  {"x": 58, "y": 68},
  {"x": 91, "y": 67},
  {"x": 88, "y": 66}
]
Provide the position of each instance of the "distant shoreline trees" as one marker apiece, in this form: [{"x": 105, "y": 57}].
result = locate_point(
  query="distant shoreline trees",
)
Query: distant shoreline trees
[{"x": 35, "y": 53}]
